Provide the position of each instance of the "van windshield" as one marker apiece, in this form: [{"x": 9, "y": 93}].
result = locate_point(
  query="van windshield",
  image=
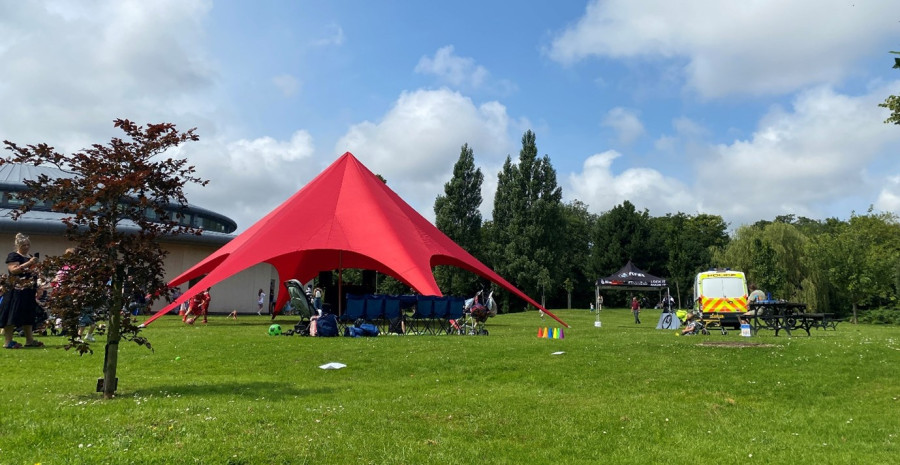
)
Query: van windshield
[{"x": 723, "y": 287}]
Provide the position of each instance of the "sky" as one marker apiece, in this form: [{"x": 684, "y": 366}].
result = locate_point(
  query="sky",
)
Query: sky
[{"x": 748, "y": 110}]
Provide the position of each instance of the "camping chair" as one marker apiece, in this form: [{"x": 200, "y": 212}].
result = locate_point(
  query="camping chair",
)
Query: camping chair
[
  {"x": 393, "y": 316},
  {"x": 424, "y": 314},
  {"x": 354, "y": 310},
  {"x": 440, "y": 314},
  {"x": 456, "y": 310},
  {"x": 374, "y": 309}
]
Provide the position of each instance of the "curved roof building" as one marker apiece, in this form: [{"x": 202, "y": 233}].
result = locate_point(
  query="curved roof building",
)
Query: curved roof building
[{"x": 46, "y": 230}]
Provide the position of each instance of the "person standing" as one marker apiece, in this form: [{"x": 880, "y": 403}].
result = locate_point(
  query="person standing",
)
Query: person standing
[
  {"x": 260, "y": 301},
  {"x": 636, "y": 310},
  {"x": 19, "y": 307},
  {"x": 204, "y": 306},
  {"x": 317, "y": 299}
]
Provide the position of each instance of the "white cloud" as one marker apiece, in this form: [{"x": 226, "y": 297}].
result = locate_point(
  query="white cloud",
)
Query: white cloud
[
  {"x": 625, "y": 122},
  {"x": 75, "y": 67},
  {"x": 760, "y": 47},
  {"x": 800, "y": 160},
  {"x": 804, "y": 160},
  {"x": 601, "y": 189},
  {"x": 248, "y": 178},
  {"x": 415, "y": 145},
  {"x": 453, "y": 69},
  {"x": 889, "y": 197}
]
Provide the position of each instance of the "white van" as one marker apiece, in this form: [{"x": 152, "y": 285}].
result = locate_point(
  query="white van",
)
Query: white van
[{"x": 721, "y": 292}]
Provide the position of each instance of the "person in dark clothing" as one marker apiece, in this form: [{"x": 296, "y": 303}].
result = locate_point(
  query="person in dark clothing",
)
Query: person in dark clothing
[{"x": 19, "y": 307}]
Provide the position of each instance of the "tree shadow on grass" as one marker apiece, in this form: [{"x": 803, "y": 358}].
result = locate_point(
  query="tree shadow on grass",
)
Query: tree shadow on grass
[{"x": 251, "y": 389}]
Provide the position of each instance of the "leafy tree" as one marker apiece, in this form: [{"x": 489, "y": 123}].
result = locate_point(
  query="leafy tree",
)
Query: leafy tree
[
  {"x": 458, "y": 216},
  {"x": 527, "y": 219},
  {"x": 893, "y": 101},
  {"x": 620, "y": 235},
  {"x": 689, "y": 244},
  {"x": 861, "y": 259},
  {"x": 577, "y": 224},
  {"x": 118, "y": 202},
  {"x": 772, "y": 256}
]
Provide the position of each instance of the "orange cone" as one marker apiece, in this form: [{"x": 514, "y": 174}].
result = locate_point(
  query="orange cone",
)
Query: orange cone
[{"x": 540, "y": 333}]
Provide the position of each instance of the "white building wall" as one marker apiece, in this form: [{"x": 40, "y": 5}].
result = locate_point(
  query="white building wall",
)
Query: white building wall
[{"x": 235, "y": 293}]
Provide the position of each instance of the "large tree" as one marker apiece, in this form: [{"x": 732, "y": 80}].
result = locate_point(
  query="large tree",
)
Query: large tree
[
  {"x": 526, "y": 223},
  {"x": 689, "y": 242},
  {"x": 620, "y": 235},
  {"x": 118, "y": 200},
  {"x": 458, "y": 216},
  {"x": 862, "y": 259}
]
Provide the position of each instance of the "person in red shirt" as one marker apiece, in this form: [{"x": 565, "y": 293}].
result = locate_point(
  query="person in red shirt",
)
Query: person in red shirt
[
  {"x": 199, "y": 307},
  {"x": 636, "y": 309}
]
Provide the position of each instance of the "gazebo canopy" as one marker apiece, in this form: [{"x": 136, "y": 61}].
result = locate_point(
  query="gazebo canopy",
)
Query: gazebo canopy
[{"x": 631, "y": 278}]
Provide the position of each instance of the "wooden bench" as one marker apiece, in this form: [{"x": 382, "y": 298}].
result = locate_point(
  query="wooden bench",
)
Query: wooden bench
[{"x": 823, "y": 320}]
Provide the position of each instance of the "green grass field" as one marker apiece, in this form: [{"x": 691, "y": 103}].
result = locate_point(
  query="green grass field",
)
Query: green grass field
[{"x": 227, "y": 393}]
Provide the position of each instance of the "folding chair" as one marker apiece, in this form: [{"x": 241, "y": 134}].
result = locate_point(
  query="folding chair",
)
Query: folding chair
[
  {"x": 455, "y": 312},
  {"x": 354, "y": 310},
  {"x": 374, "y": 310},
  {"x": 440, "y": 312},
  {"x": 392, "y": 314},
  {"x": 424, "y": 314}
]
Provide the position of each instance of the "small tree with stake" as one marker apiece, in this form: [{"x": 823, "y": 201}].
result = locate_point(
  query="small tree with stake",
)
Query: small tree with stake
[{"x": 118, "y": 200}]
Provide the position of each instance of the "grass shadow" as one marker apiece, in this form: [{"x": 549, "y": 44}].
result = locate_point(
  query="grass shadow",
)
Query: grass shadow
[{"x": 251, "y": 389}]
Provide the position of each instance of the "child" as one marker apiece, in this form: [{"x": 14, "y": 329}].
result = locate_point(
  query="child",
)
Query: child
[{"x": 261, "y": 299}]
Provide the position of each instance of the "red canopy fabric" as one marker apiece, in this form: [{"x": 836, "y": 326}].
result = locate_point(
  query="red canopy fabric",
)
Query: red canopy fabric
[{"x": 344, "y": 218}]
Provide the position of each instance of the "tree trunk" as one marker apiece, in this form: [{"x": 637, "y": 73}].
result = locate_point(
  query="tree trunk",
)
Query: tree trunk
[
  {"x": 569, "y": 300},
  {"x": 111, "y": 358},
  {"x": 114, "y": 334},
  {"x": 854, "y": 313}
]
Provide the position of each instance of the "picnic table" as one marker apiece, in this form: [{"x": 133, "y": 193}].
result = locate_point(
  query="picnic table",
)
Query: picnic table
[{"x": 787, "y": 316}]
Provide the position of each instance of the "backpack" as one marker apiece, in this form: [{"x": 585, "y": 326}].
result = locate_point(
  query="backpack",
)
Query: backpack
[{"x": 327, "y": 326}]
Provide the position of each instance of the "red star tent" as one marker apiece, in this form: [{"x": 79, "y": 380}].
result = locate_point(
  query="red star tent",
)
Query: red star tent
[{"x": 344, "y": 218}]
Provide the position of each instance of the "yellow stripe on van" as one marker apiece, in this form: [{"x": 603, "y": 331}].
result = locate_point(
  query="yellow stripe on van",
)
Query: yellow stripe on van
[{"x": 724, "y": 304}]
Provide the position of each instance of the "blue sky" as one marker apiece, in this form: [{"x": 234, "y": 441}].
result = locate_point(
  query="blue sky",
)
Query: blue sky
[{"x": 743, "y": 109}]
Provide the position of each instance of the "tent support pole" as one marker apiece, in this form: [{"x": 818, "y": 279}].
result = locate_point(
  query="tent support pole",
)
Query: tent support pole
[{"x": 340, "y": 282}]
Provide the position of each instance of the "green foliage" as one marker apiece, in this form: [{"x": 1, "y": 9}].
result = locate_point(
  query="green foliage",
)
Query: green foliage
[
  {"x": 458, "y": 216},
  {"x": 772, "y": 255},
  {"x": 527, "y": 222},
  {"x": 689, "y": 242},
  {"x": 881, "y": 316},
  {"x": 125, "y": 183},
  {"x": 229, "y": 393},
  {"x": 892, "y": 103},
  {"x": 620, "y": 235}
]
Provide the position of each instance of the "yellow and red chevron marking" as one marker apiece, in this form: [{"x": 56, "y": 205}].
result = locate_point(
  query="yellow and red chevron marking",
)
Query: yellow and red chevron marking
[{"x": 724, "y": 304}]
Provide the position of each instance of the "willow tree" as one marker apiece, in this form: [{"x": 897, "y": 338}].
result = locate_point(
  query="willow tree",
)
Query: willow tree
[{"x": 117, "y": 200}]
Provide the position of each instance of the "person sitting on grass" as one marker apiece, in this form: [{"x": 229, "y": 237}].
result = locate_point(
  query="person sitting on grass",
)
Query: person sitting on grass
[{"x": 690, "y": 325}]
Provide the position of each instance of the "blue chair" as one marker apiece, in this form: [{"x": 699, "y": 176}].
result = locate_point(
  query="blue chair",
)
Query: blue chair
[
  {"x": 374, "y": 308},
  {"x": 424, "y": 313},
  {"x": 393, "y": 316},
  {"x": 456, "y": 311},
  {"x": 441, "y": 309},
  {"x": 355, "y": 309}
]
